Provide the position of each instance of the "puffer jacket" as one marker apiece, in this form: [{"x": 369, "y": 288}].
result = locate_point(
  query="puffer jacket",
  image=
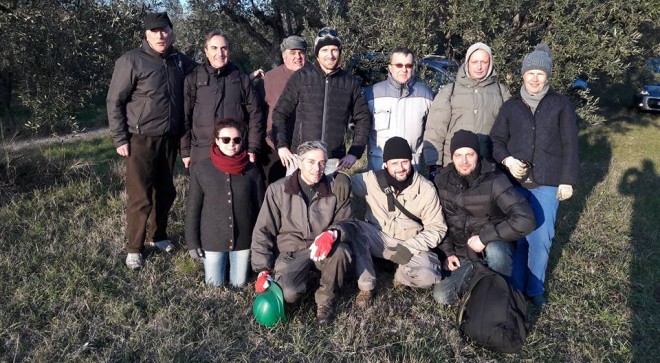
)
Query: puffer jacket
[
  {"x": 323, "y": 104},
  {"x": 398, "y": 110},
  {"x": 484, "y": 204},
  {"x": 212, "y": 95},
  {"x": 548, "y": 139},
  {"x": 420, "y": 199},
  {"x": 463, "y": 105},
  {"x": 287, "y": 224},
  {"x": 146, "y": 93}
]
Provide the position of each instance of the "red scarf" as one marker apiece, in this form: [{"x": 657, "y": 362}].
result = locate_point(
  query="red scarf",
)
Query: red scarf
[{"x": 229, "y": 164}]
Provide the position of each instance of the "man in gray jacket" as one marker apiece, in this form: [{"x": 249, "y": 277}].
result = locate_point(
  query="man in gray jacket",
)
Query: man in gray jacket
[
  {"x": 145, "y": 112},
  {"x": 399, "y": 106},
  {"x": 300, "y": 213},
  {"x": 470, "y": 103}
]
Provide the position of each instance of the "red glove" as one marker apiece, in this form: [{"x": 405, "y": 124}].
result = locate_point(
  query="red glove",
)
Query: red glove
[
  {"x": 322, "y": 245},
  {"x": 262, "y": 281}
]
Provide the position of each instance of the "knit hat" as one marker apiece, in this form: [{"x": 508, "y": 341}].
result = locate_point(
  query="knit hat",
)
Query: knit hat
[
  {"x": 326, "y": 36},
  {"x": 396, "y": 148},
  {"x": 538, "y": 59},
  {"x": 464, "y": 138},
  {"x": 293, "y": 42},
  {"x": 475, "y": 47},
  {"x": 157, "y": 20}
]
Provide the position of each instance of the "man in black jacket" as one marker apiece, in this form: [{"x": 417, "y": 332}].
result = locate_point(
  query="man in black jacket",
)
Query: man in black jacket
[
  {"x": 484, "y": 212},
  {"x": 145, "y": 113},
  {"x": 214, "y": 91},
  {"x": 324, "y": 98}
]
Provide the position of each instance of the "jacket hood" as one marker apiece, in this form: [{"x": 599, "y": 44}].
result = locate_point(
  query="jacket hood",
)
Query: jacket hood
[
  {"x": 463, "y": 79},
  {"x": 473, "y": 48}
]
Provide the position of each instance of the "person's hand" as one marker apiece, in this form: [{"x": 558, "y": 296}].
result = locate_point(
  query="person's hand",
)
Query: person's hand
[
  {"x": 322, "y": 245},
  {"x": 341, "y": 187},
  {"x": 564, "y": 192},
  {"x": 287, "y": 158},
  {"x": 402, "y": 255},
  {"x": 263, "y": 281},
  {"x": 475, "y": 244},
  {"x": 197, "y": 254},
  {"x": 124, "y": 150},
  {"x": 346, "y": 162},
  {"x": 517, "y": 168},
  {"x": 452, "y": 263},
  {"x": 186, "y": 161},
  {"x": 259, "y": 73},
  {"x": 253, "y": 157}
]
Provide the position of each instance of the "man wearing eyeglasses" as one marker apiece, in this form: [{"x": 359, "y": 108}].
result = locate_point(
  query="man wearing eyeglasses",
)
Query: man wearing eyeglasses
[
  {"x": 399, "y": 106},
  {"x": 471, "y": 103},
  {"x": 324, "y": 98}
]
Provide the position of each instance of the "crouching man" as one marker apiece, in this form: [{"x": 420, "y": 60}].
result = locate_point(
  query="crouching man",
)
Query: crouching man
[
  {"x": 403, "y": 222},
  {"x": 484, "y": 212},
  {"x": 296, "y": 229}
]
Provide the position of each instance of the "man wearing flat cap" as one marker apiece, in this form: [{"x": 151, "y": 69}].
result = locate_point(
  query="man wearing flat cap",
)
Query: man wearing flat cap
[
  {"x": 294, "y": 56},
  {"x": 324, "y": 98},
  {"x": 485, "y": 215},
  {"x": 403, "y": 222},
  {"x": 145, "y": 113}
]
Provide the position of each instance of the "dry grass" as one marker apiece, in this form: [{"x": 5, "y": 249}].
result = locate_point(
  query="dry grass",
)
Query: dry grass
[{"x": 67, "y": 296}]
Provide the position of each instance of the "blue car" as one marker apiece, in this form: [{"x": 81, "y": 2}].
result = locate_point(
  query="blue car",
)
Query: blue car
[{"x": 648, "y": 98}]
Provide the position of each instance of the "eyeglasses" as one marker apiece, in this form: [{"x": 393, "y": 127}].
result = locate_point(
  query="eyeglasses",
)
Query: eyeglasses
[
  {"x": 401, "y": 65},
  {"x": 225, "y": 140},
  {"x": 327, "y": 31}
]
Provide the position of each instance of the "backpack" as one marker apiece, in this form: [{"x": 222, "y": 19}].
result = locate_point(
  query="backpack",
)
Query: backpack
[{"x": 492, "y": 312}]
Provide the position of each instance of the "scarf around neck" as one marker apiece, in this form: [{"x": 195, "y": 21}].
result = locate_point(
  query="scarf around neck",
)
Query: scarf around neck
[
  {"x": 234, "y": 165},
  {"x": 533, "y": 100}
]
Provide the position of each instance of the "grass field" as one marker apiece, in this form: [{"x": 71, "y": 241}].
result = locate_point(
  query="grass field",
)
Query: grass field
[{"x": 66, "y": 294}]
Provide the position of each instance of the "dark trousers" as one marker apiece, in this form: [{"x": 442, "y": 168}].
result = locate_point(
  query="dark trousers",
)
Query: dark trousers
[
  {"x": 271, "y": 166},
  {"x": 292, "y": 273},
  {"x": 149, "y": 188}
]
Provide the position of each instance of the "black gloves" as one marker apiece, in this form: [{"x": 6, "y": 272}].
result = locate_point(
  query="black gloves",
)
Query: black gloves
[
  {"x": 402, "y": 255},
  {"x": 341, "y": 187},
  {"x": 197, "y": 254}
]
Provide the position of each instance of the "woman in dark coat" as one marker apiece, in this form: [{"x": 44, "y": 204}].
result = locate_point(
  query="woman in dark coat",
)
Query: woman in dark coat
[
  {"x": 225, "y": 195},
  {"x": 535, "y": 136}
]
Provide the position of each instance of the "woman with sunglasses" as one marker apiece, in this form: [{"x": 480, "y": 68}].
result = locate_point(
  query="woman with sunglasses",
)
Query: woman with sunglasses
[{"x": 224, "y": 198}]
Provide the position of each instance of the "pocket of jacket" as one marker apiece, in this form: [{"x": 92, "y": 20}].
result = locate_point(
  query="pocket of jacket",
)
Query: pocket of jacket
[{"x": 381, "y": 119}]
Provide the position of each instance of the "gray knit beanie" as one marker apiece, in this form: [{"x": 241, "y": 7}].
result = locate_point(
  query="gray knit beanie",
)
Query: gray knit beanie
[{"x": 538, "y": 59}]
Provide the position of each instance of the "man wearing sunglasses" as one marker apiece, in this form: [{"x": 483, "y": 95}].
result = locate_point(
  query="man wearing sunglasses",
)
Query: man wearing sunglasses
[
  {"x": 324, "y": 98},
  {"x": 399, "y": 105},
  {"x": 470, "y": 103}
]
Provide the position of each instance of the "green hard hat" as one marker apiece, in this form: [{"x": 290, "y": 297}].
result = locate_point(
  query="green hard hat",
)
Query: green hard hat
[{"x": 268, "y": 308}]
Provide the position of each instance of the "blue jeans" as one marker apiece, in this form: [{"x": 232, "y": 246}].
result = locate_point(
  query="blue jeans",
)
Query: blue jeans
[
  {"x": 530, "y": 259},
  {"x": 215, "y": 267},
  {"x": 499, "y": 258}
]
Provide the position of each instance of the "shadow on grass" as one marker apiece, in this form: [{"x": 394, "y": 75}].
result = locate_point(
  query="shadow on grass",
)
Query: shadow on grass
[{"x": 644, "y": 302}]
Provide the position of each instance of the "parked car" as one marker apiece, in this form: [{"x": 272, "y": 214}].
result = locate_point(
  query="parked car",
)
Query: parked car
[
  {"x": 648, "y": 97},
  {"x": 434, "y": 70}
]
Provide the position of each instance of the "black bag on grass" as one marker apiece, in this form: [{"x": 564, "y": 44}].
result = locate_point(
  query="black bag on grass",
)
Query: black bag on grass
[{"x": 492, "y": 312}]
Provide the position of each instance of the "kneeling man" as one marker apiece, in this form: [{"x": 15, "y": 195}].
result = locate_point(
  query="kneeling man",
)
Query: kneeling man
[
  {"x": 484, "y": 212},
  {"x": 299, "y": 214}
]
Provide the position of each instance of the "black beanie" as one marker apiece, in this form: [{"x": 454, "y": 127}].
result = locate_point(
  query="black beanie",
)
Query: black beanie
[
  {"x": 396, "y": 148},
  {"x": 327, "y": 36},
  {"x": 464, "y": 138}
]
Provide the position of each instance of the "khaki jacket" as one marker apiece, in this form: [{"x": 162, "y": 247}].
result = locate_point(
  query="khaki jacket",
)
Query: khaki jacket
[{"x": 420, "y": 198}]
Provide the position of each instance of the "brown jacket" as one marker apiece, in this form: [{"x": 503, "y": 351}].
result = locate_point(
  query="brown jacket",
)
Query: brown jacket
[{"x": 285, "y": 222}]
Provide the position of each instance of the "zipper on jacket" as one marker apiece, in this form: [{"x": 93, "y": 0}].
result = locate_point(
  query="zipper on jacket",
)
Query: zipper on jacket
[{"x": 325, "y": 108}]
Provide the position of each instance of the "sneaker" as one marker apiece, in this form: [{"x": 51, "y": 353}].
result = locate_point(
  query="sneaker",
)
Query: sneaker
[
  {"x": 134, "y": 261},
  {"x": 323, "y": 313},
  {"x": 163, "y": 246},
  {"x": 363, "y": 299}
]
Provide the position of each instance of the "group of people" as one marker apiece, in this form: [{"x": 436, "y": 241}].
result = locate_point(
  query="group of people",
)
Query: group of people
[{"x": 269, "y": 190}]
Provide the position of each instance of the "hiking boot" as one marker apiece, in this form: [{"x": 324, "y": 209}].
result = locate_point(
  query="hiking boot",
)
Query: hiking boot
[
  {"x": 323, "y": 313},
  {"x": 363, "y": 299},
  {"x": 162, "y": 246},
  {"x": 134, "y": 261}
]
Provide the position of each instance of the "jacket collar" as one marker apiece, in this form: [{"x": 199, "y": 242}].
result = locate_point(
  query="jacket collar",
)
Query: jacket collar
[
  {"x": 323, "y": 74},
  {"x": 403, "y": 90},
  {"x": 292, "y": 187},
  {"x": 217, "y": 72},
  {"x": 147, "y": 49},
  {"x": 463, "y": 79}
]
